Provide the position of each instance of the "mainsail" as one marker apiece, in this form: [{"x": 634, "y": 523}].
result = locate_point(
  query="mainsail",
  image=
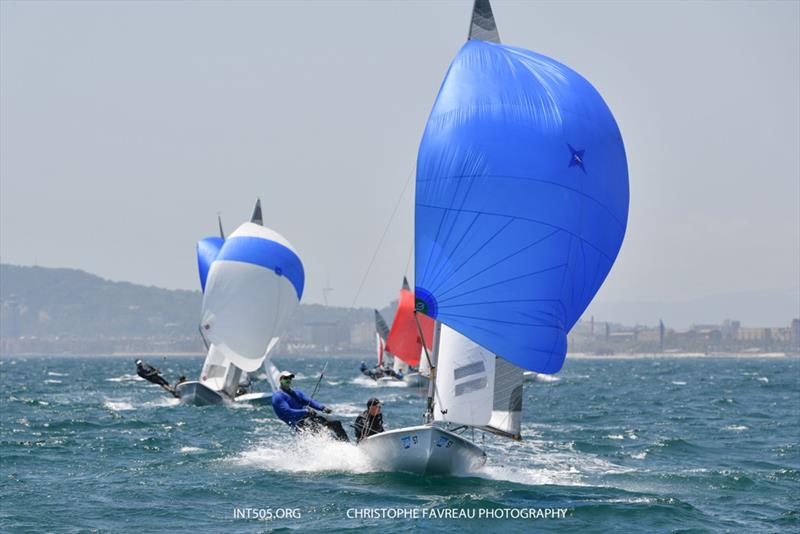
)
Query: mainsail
[
  {"x": 476, "y": 388},
  {"x": 381, "y": 333}
]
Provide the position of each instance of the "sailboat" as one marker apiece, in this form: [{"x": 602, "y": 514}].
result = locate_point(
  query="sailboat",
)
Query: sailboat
[
  {"x": 521, "y": 209},
  {"x": 401, "y": 345},
  {"x": 384, "y": 358},
  {"x": 252, "y": 282},
  {"x": 405, "y": 339}
]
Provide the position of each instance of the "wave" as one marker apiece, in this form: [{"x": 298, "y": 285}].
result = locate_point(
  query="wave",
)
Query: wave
[
  {"x": 53, "y": 373},
  {"x": 346, "y": 409},
  {"x": 306, "y": 453},
  {"x": 736, "y": 427},
  {"x": 124, "y": 405},
  {"x": 126, "y": 378},
  {"x": 541, "y": 377},
  {"x": 51, "y": 381},
  {"x": 366, "y": 382},
  {"x": 192, "y": 450},
  {"x": 118, "y": 406}
]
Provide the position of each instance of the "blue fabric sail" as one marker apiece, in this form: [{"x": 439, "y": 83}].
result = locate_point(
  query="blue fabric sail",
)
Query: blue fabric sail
[
  {"x": 521, "y": 202},
  {"x": 207, "y": 251},
  {"x": 268, "y": 254}
]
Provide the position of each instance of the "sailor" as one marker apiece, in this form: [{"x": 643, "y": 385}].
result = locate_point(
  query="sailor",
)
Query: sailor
[
  {"x": 394, "y": 374},
  {"x": 370, "y": 422},
  {"x": 372, "y": 373},
  {"x": 181, "y": 380},
  {"x": 294, "y": 408},
  {"x": 151, "y": 374}
]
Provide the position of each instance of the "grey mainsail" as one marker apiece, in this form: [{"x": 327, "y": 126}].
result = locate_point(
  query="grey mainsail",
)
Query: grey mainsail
[{"x": 483, "y": 26}]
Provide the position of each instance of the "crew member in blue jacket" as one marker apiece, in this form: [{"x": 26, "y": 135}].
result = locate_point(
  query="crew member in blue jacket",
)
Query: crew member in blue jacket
[{"x": 294, "y": 408}]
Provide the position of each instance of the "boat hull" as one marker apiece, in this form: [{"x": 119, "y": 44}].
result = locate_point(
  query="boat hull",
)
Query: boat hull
[
  {"x": 423, "y": 450},
  {"x": 257, "y": 399},
  {"x": 386, "y": 379},
  {"x": 415, "y": 380},
  {"x": 197, "y": 394}
]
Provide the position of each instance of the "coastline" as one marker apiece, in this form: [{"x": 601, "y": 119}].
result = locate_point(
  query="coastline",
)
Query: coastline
[{"x": 356, "y": 355}]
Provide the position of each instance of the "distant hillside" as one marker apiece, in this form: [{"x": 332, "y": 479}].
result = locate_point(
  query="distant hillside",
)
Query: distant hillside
[
  {"x": 39, "y": 301},
  {"x": 71, "y": 304}
]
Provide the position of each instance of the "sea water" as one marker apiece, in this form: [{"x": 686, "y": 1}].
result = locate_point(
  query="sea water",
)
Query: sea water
[{"x": 634, "y": 445}]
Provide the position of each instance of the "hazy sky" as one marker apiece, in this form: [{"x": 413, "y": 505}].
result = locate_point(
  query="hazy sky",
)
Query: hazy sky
[{"x": 126, "y": 126}]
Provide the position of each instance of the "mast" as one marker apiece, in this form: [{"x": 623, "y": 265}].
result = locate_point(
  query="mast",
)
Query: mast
[
  {"x": 221, "y": 231},
  {"x": 437, "y": 328},
  {"x": 257, "y": 218},
  {"x": 482, "y": 26}
]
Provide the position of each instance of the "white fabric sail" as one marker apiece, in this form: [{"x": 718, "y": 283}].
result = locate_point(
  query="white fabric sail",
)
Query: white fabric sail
[
  {"x": 399, "y": 366},
  {"x": 476, "y": 388},
  {"x": 253, "y": 286},
  {"x": 273, "y": 374},
  {"x": 424, "y": 365}
]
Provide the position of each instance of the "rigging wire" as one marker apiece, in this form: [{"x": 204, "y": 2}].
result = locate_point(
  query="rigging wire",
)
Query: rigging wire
[{"x": 383, "y": 236}]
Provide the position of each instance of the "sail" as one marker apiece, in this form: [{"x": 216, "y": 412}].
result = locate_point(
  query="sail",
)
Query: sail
[
  {"x": 404, "y": 340},
  {"x": 380, "y": 325},
  {"x": 272, "y": 372},
  {"x": 253, "y": 286},
  {"x": 424, "y": 365},
  {"x": 476, "y": 388},
  {"x": 379, "y": 348},
  {"x": 399, "y": 366},
  {"x": 207, "y": 251},
  {"x": 381, "y": 333},
  {"x": 219, "y": 373},
  {"x": 521, "y": 202}
]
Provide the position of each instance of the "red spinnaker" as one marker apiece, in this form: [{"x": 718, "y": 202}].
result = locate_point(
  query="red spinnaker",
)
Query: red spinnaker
[{"x": 404, "y": 341}]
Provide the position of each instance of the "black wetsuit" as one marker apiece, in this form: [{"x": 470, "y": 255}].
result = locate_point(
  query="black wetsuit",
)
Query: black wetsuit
[
  {"x": 367, "y": 425},
  {"x": 372, "y": 373},
  {"x": 314, "y": 423},
  {"x": 151, "y": 374}
]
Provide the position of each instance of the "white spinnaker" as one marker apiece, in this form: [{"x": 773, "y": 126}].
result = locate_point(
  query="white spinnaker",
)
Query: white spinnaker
[
  {"x": 215, "y": 369},
  {"x": 424, "y": 366},
  {"x": 246, "y": 305},
  {"x": 273, "y": 374},
  {"x": 399, "y": 366},
  {"x": 476, "y": 388}
]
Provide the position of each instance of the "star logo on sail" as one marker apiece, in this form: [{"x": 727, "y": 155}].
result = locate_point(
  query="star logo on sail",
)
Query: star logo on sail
[{"x": 576, "y": 158}]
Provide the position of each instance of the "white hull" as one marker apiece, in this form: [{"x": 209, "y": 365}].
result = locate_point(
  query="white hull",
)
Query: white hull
[
  {"x": 258, "y": 399},
  {"x": 415, "y": 380},
  {"x": 385, "y": 379},
  {"x": 423, "y": 450},
  {"x": 197, "y": 394}
]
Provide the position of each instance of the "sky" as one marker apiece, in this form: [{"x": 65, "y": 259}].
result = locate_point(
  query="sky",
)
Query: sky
[{"x": 126, "y": 127}]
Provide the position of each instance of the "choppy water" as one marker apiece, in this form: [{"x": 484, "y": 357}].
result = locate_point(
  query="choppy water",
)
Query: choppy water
[{"x": 647, "y": 445}]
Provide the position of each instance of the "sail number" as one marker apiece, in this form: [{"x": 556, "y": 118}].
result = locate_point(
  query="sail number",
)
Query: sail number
[
  {"x": 444, "y": 442},
  {"x": 409, "y": 441}
]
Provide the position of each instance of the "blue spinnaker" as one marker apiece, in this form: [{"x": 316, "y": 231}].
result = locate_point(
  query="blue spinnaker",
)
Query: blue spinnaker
[
  {"x": 207, "y": 251},
  {"x": 521, "y": 202}
]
